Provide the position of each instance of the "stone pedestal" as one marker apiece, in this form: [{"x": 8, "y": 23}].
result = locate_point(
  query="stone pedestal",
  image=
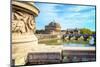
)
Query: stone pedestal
[{"x": 23, "y": 28}]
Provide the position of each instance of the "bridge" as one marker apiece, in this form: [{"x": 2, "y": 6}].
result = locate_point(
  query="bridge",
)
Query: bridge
[
  {"x": 67, "y": 54},
  {"x": 85, "y": 35},
  {"x": 78, "y": 54},
  {"x": 77, "y": 36}
]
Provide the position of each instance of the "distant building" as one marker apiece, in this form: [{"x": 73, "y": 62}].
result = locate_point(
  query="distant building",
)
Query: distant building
[
  {"x": 73, "y": 31},
  {"x": 53, "y": 28}
]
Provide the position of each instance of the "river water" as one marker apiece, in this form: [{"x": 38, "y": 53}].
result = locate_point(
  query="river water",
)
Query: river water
[{"x": 73, "y": 43}]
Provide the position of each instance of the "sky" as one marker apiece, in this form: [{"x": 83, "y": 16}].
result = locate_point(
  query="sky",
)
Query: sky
[{"x": 67, "y": 15}]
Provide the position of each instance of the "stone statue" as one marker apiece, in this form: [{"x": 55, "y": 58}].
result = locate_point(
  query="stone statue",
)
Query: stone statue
[{"x": 23, "y": 28}]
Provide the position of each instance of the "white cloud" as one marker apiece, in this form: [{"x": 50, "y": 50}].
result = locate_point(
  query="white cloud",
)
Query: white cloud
[{"x": 71, "y": 17}]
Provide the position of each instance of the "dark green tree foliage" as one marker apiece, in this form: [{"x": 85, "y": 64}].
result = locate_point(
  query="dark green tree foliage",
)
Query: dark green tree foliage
[{"x": 85, "y": 31}]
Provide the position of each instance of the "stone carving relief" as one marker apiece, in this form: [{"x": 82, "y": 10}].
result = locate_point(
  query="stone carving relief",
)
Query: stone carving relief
[{"x": 22, "y": 22}]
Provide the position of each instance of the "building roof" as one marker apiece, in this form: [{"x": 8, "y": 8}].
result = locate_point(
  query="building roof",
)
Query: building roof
[{"x": 55, "y": 24}]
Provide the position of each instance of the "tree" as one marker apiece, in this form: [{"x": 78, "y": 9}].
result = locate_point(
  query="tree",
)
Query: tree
[
  {"x": 85, "y": 31},
  {"x": 93, "y": 32}
]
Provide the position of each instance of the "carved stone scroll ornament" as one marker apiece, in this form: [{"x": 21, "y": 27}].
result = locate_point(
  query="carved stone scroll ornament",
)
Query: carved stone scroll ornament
[{"x": 22, "y": 22}]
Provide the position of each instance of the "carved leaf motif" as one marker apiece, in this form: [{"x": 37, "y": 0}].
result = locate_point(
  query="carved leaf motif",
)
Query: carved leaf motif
[
  {"x": 31, "y": 23},
  {"x": 22, "y": 22}
]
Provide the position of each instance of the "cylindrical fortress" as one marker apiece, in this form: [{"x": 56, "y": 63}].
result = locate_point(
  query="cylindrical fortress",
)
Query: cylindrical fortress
[{"x": 23, "y": 28}]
